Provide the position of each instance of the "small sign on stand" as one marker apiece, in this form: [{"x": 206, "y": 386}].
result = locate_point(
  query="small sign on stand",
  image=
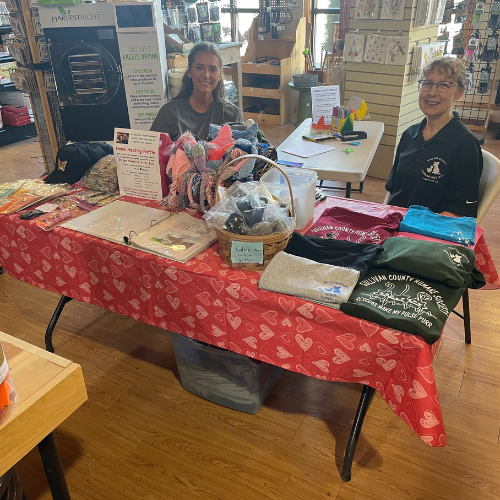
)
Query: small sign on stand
[{"x": 324, "y": 99}]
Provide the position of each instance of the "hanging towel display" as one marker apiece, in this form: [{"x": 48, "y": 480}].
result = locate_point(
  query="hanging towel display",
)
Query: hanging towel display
[
  {"x": 358, "y": 256},
  {"x": 338, "y": 223},
  {"x": 461, "y": 12},
  {"x": 308, "y": 280},
  {"x": 392, "y": 9},
  {"x": 397, "y": 50},
  {"x": 469, "y": 79},
  {"x": 404, "y": 302},
  {"x": 458, "y": 44},
  {"x": 422, "y": 220},
  {"x": 477, "y": 17},
  {"x": 490, "y": 51},
  {"x": 354, "y": 47},
  {"x": 494, "y": 20},
  {"x": 424, "y": 14},
  {"x": 484, "y": 79},
  {"x": 375, "y": 49},
  {"x": 449, "y": 264},
  {"x": 472, "y": 51},
  {"x": 366, "y": 9}
]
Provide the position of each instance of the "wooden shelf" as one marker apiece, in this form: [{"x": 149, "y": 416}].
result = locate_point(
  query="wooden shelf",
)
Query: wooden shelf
[
  {"x": 289, "y": 52},
  {"x": 264, "y": 93}
]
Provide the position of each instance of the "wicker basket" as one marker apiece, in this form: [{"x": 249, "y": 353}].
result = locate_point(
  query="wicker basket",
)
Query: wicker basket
[{"x": 272, "y": 243}]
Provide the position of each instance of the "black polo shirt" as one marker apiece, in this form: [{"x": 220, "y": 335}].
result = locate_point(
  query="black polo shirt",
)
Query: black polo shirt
[{"x": 441, "y": 173}]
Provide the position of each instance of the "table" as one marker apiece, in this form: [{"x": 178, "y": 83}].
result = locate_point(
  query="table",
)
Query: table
[
  {"x": 206, "y": 300},
  {"x": 49, "y": 390},
  {"x": 337, "y": 165}
]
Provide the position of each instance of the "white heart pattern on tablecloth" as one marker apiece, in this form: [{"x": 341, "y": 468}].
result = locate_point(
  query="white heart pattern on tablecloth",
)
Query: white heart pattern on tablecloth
[
  {"x": 247, "y": 295},
  {"x": 231, "y": 306},
  {"x": 384, "y": 350},
  {"x": 157, "y": 269},
  {"x": 360, "y": 373},
  {"x": 390, "y": 336},
  {"x": 189, "y": 320},
  {"x": 286, "y": 322},
  {"x": 233, "y": 290},
  {"x": 135, "y": 304},
  {"x": 217, "y": 303},
  {"x": 204, "y": 298},
  {"x": 115, "y": 272},
  {"x": 303, "y": 326},
  {"x": 287, "y": 305},
  {"x": 270, "y": 317},
  {"x": 365, "y": 347},
  {"x": 183, "y": 277},
  {"x": 144, "y": 295},
  {"x": 322, "y": 316},
  {"x": 251, "y": 341},
  {"x": 86, "y": 287},
  {"x": 417, "y": 391},
  {"x": 201, "y": 312},
  {"x": 216, "y": 331},
  {"x": 283, "y": 353},
  {"x": 427, "y": 372},
  {"x": 323, "y": 365},
  {"x": 347, "y": 340},
  {"x": 175, "y": 303},
  {"x": 234, "y": 321},
  {"x": 70, "y": 270},
  {"x": 369, "y": 328},
  {"x": 340, "y": 356},
  {"x": 159, "y": 313},
  {"x": 398, "y": 392},
  {"x": 107, "y": 296},
  {"x": 26, "y": 257},
  {"x": 171, "y": 272},
  {"x": 66, "y": 243},
  {"x": 170, "y": 287},
  {"x": 116, "y": 257},
  {"x": 217, "y": 285},
  {"x": 387, "y": 365},
  {"x": 120, "y": 285},
  {"x": 305, "y": 310},
  {"x": 304, "y": 343},
  {"x": 265, "y": 332},
  {"x": 429, "y": 419}
]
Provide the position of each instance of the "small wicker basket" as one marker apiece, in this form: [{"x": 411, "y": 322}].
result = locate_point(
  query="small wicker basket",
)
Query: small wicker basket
[{"x": 272, "y": 243}]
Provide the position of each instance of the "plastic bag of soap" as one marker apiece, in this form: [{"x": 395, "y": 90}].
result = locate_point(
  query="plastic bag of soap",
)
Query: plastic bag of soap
[{"x": 8, "y": 395}]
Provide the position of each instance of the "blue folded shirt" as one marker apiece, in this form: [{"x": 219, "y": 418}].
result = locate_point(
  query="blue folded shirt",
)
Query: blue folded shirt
[{"x": 421, "y": 220}]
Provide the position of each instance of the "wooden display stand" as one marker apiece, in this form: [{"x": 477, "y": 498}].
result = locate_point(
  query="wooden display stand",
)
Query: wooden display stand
[
  {"x": 289, "y": 51},
  {"x": 385, "y": 88}
]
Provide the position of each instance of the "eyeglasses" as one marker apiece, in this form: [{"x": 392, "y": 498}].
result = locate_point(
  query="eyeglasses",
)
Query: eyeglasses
[{"x": 441, "y": 87}]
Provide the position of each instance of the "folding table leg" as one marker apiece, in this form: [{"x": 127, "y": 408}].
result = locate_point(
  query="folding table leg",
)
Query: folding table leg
[
  {"x": 465, "y": 304},
  {"x": 364, "y": 404},
  {"x": 361, "y": 184},
  {"x": 48, "y": 334},
  {"x": 53, "y": 468}
]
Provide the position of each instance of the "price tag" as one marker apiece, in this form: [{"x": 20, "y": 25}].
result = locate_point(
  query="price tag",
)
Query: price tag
[{"x": 247, "y": 252}]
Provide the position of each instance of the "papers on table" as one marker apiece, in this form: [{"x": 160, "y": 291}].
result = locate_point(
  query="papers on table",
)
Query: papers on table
[
  {"x": 307, "y": 149},
  {"x": 323, "y": 100}
]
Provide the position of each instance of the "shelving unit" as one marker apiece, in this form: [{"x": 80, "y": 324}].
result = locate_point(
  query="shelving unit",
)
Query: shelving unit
[{"x": 288, "y": 49}]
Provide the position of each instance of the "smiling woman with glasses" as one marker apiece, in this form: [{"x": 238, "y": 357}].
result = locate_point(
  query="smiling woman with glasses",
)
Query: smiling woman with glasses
[{"x": 438, "y": 162}]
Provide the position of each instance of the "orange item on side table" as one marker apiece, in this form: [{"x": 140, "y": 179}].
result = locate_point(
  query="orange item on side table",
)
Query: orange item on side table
[{"x": 8, "y": 395}]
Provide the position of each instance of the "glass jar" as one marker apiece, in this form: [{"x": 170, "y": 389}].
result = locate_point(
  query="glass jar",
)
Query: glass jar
[{"x": 8, "y": 395}]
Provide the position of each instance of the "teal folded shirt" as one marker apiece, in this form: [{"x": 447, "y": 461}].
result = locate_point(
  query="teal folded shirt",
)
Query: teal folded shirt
[{"x": 422, "y": 220}]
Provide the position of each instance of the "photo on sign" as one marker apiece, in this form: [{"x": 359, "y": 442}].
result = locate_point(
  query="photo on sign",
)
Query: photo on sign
[
  {"x": 122, "y": 138},
  {"x": 176, "y": 241}
]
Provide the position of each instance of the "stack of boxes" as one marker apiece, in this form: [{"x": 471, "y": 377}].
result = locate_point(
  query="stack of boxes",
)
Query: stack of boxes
[{"x": 15, "y": 116}]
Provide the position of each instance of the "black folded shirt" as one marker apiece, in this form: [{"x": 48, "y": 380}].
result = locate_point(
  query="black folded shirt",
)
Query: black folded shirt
[{"x": 341, "y": 253}]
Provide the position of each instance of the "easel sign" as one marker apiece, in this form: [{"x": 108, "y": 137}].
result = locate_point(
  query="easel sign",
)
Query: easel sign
[{"x": 324, "y": 99}]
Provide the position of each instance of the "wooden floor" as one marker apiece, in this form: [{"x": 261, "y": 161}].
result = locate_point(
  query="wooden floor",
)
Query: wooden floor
[{"x": 140, "y": 436}]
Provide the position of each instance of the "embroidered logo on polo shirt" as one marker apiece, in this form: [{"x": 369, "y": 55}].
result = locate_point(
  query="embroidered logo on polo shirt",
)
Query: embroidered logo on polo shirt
[{"x": 433, "y": 172}]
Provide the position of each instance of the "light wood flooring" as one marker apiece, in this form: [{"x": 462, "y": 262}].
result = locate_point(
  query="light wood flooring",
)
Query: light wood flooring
[{"x": 140, "y": 436}]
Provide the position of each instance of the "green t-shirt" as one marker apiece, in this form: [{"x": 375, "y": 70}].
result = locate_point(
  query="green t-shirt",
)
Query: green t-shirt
[
  {"x": 403, "y": 302},
  {"x": 449, "y": 264}
]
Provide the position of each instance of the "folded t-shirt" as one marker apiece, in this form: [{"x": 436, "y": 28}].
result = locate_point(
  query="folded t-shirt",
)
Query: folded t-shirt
[
  {"x": 403, "y": 302},
  {"x": 444, "y": 263},
  {"x": 422, "y": 220},
  {"x": 357, "y": 256},
  {"x": 303, "y": 278},
  {"x": 338, "y": 223}
]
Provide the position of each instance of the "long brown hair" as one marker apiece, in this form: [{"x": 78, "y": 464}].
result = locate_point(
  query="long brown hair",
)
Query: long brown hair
[{"x": 218, "y": 93}]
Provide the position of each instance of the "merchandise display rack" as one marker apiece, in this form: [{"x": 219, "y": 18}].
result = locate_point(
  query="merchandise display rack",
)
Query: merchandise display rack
[
  {"x": 275, "y": 73},
  {"x": 475, "y": 108}
]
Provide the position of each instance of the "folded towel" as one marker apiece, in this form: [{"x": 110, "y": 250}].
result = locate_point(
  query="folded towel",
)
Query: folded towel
[{"x": 303, "y": 278}]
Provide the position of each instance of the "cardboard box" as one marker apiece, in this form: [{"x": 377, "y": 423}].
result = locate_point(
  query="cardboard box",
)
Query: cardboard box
[
  {"x": 15, "y": 98},
  {"x": 177, "y": 61},
  {"x": 176, "y": 43}
]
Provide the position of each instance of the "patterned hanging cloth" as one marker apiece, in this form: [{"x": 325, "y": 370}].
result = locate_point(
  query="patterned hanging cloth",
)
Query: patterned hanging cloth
[
  {"x": 477, "y": 18},
  {"x": 473, "y": 47},
  {"x": 469, "y": 79},
  {"x": 490, "y": 52},
  {"x": 484, "y": 79},
  {"x": 494, "y": 20}
]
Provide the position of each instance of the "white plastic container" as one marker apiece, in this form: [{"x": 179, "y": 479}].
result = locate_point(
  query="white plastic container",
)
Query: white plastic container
[{"x": 303, "y": 188}]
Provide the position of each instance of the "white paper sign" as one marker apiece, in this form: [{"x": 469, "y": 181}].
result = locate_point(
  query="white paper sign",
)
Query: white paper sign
[
  {"x": 137, "y": 163},
  {"x": 323, "y": 101}
]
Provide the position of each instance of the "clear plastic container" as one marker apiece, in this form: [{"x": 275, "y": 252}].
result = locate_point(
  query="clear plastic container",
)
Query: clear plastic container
[
  {"x": 223, "y": 377},
  {"x": 303, "y": 183},
  {"x": 8, "y": 395}
]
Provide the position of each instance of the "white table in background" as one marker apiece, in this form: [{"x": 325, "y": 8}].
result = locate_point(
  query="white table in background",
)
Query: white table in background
[{"x": 337, "y": 165}]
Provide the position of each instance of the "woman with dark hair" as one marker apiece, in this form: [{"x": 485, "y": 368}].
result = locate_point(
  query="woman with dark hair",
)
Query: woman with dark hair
[
  {"x": 201, "y": 99},
  {"x": 438, "y": 162}
]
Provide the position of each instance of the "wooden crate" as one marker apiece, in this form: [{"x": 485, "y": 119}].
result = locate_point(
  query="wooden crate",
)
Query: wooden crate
[{"x": 289, "y": 51}]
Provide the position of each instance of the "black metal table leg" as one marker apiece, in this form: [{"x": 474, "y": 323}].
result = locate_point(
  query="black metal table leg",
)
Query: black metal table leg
[
  {"x": 465, "y": 305},
  {"x": 321, "y": 184},
  {"x": 364, "y": 404},
  {"x": 361, "y": 184},
  {"x": 53, "y": 468},
  {"x": 48, "y": 334},
  {"x": 348, "y": 190}
]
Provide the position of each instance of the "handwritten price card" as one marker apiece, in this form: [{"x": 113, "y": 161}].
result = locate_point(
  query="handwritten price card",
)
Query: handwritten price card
[{"x": 246, "y": 252}]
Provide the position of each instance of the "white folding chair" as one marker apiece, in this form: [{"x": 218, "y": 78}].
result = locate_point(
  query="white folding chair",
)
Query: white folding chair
[{"x": 489, "y": 187}]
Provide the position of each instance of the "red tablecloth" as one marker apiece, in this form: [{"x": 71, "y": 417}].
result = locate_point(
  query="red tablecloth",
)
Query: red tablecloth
[{"x": 209, "y": 301}]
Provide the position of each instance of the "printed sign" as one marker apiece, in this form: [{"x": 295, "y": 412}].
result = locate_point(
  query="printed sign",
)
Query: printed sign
[
  {"x": 323, "y": 101},
  {"x": 137, "y": 163}
]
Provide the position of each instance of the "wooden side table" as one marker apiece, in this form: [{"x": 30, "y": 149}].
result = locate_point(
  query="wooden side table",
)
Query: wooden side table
[{"x": 49, "y": 389}]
